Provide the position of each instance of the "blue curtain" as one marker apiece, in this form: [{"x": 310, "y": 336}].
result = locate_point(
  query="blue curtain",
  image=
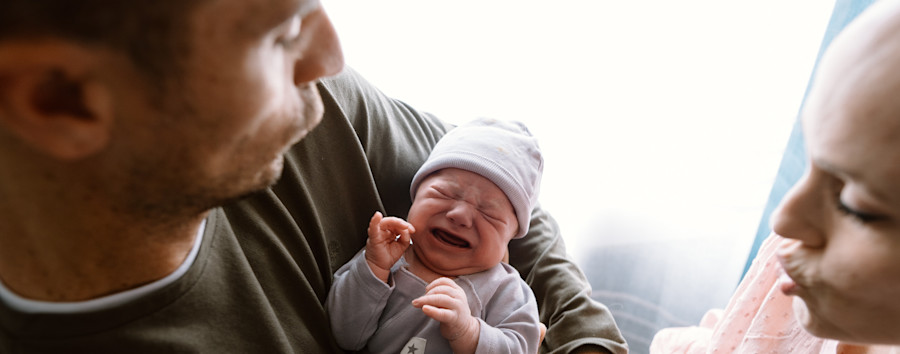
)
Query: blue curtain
[{"x": 793, "y": 163}]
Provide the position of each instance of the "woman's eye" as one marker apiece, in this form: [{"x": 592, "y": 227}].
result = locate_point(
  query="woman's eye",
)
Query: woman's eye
[{"x": 858, "y": 215}]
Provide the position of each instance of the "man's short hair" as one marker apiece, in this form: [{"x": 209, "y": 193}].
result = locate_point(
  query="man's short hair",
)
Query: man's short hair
[{"x": 153, "y": 33}]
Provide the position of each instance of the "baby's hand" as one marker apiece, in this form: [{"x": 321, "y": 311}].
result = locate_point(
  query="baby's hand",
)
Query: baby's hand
[
  {"x": 445, "y": 302},
  {"x": 388, "y": 239}
]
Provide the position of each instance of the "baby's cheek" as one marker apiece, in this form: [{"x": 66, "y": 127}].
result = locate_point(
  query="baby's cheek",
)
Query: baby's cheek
[{"x": 500, "y": 254}]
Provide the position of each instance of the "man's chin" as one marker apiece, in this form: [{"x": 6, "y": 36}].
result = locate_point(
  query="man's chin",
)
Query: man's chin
[
  {"x": 264, "y": 180},
  {"x": 249, "y": 192},
  {"x": 273, "y": 173},
  {"x": 268, "y": 177}
]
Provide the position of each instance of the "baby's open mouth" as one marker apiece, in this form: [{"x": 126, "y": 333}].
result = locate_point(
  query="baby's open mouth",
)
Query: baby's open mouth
[{"x": 450, "y": 239}]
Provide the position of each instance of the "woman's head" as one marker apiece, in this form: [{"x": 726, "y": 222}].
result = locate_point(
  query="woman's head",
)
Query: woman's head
[{"x": 843, "y": 217}]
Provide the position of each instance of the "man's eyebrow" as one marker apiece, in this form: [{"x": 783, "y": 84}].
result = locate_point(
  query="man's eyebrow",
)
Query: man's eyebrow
[
  {"x": 307, "y": 6},
  {"x": 302, "y": 8},
  {"x": 276, "y": 12}
]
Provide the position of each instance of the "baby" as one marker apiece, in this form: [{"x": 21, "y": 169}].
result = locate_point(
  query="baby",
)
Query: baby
[{"x": 437, "y": 283}]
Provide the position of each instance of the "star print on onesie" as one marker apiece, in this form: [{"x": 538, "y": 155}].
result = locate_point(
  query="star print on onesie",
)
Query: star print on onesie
[{"x": 415, "y": 345}]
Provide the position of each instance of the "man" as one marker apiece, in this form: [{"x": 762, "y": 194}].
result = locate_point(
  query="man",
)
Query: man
[{"x": 139, "y": 145}]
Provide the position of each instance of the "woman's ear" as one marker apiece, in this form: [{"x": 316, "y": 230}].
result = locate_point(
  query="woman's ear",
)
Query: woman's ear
[{"x": 51, "y": 99}]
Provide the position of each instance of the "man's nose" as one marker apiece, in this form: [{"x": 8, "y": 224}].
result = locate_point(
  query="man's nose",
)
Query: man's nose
[{"x": 320, "y": 49}]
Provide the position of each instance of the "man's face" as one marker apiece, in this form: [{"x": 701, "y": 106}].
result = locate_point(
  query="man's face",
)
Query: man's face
[
  {"x": 463, "y": 222},
  {"x": 247, "y": 93}
]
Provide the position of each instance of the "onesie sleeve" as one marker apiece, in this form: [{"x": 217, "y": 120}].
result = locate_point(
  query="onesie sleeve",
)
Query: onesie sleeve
[
  {"x": 513, "y": 312},
  {"x": 355, "y": 302}
]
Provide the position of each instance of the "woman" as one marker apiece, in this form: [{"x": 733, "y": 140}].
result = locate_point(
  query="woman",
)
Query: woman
[{"x": 837, "y": 253}]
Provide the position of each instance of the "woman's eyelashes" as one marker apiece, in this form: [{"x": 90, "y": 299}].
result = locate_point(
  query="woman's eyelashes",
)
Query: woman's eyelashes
[
  {"x": 839, "y": 187},
  {"x": 862, "y": 217}
]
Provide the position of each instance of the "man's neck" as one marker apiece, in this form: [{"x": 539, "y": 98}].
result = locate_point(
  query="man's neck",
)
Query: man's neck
[{"x": 57, "y": 258}]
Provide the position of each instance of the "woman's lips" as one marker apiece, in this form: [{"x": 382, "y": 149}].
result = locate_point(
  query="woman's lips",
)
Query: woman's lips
[
  {"x": 786, "y": 253},
  {"x": 787, "y": 285}
]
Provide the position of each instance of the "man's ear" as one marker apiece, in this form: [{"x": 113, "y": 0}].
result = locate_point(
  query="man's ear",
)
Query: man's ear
[{"x": 52, "y": 99}]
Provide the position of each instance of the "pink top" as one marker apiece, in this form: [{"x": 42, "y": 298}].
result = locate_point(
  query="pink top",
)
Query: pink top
[{"x": 758, "y": 319}]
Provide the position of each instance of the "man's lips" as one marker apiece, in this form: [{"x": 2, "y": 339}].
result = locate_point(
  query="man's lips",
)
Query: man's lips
[{"x": 450, "y": 239}]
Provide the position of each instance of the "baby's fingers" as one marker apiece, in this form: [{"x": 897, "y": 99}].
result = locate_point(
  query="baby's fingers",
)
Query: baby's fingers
[
  {"x": 396, "y": 225},
  {"x": 374, "y": 222},
  {"x": 444, "y": 285},
  {"x": 404, "y": 237},
  {"x": 439, "y": 314},
  {"x": 438, "y": 300}
]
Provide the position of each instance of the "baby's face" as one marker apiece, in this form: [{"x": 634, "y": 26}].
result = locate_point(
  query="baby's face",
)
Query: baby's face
[
  {"x": 463, "y": 222},
  {"x": 844, "y": 216}
]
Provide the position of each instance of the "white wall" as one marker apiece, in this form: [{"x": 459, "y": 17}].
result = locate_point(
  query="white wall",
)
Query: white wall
[{"x": 662, "y": 121}]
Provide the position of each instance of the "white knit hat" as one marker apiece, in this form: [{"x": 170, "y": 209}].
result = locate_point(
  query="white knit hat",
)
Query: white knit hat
[{"x": 504, "y": 152}]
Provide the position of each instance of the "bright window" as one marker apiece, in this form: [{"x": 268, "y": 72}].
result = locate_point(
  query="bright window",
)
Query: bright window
[{"x": 662, "y": 122}]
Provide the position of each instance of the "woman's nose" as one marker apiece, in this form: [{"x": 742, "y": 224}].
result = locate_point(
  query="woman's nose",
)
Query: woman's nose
[
  {"x": 320, "y": 49},
  {"x": 800, "y": 215}
]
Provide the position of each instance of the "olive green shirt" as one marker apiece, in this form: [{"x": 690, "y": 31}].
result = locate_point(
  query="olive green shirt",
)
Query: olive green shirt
[{"x": 265, "y": 264}]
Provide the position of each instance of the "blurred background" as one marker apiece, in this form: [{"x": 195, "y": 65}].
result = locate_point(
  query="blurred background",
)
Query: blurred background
[{"x": 662, "y": 122}]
